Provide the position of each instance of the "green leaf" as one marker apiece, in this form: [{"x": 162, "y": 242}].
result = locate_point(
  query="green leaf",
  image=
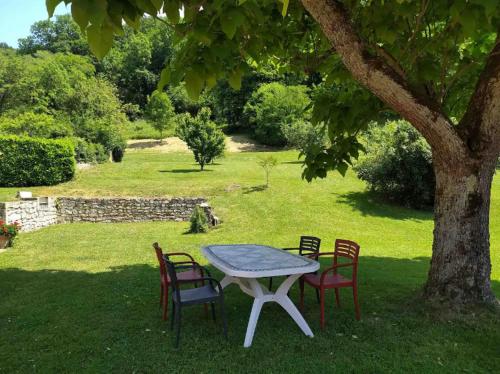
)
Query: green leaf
[
  {"x": 285, "y": 7},
  {"x": 164, "y": 79},
  {"x": 100, "y": 38},
  {"x": 228, "y": 25},
  {"x": 147, "y": 6},
  {"x": 172, "y": 10},
  {"x": 157, "y": 4},
  {"x": 79, "y": 12},
  {"x": 96, "y": 10},
  {"x": 342, "y": 168},
  {"x": 51, "y": 6},
  {"x": 234, "y": 79},
  {"x": 211, "y": 81},
  {"x": 194, "y": 84}
]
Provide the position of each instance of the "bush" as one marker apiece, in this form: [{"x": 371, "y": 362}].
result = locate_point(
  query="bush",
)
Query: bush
[
  {"x": 201, "y": 136},
  {"x": 199, "y": 221},
  {"x": 398, "y": 165},
  {"x": 274, "y": 106},
  {"x": 89, "y": 152},
  {"x": 34, "y": 125},
  {"x": 35, "y": 162},
  {"x": 117, "y": 154},
  {"x": 302, "y": 135}
]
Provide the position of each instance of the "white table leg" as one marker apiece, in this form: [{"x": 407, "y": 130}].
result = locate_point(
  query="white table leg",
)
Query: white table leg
[
  {"x": 252, "y": 322},
  {"x": 260, "y": 299},
  {"x": 227, "y": 280},
  {"x": 281, "y": 297}
]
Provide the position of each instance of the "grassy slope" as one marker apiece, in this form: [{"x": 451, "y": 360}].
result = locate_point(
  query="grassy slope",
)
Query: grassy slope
[{"x": 84, "y": 296}]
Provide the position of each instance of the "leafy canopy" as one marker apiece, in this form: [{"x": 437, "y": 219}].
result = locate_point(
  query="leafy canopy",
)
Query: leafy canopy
[
  {"x": 440, "y": 46},
  {"x": 272, "y": 108},
  {"x": 160, "y": 111}
]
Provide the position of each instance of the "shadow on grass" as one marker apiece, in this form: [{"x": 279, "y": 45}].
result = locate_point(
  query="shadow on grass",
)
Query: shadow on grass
[
  {"x": 95, "y": 320},
  {"x": 370, "y": 204},
  {"x": 259, "y": 188},
  {"x": 184, "y": 171},
  {"x": 293, "y": 162}
]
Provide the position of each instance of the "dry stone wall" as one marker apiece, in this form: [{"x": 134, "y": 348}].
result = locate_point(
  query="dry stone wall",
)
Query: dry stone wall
[
  {"x": 40, "y": 212},
  {"x": 77, "y": 209}
]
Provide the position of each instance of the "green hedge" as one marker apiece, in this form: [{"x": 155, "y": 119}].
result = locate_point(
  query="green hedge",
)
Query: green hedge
[{"x": 28, "y": 161}]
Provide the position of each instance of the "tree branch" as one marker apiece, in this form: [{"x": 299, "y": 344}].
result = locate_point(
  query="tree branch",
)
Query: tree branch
[
  {"x": 381, "y": 79},
  {"x": 480, "y": 125}
]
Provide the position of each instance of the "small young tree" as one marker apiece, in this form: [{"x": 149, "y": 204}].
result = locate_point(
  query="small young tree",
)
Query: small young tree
[
  {"x": 199, "y": 221},
  {"x": 160, "y": 111},
  {"x": 201, "y": 136},
  {"x": 268, "y": 163}
]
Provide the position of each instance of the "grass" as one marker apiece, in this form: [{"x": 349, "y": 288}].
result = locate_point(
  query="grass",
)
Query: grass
[
  {"x": 83, "y": 297},
  {"x": 142, "y": 129}
]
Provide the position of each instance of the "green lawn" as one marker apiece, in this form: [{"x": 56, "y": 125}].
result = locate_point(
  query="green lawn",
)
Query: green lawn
[
  {"x": 143, "y": 129},
  {"x": 84, "y": 297}
]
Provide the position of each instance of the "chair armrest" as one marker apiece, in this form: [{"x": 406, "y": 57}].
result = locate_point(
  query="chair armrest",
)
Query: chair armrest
[
  {"x": 320, "y": 254},
  {"x": 212, "y": 281},
  {"x": 331, "y": 268},
  {"x": 291, "y": 249},
  {"x": 179, "y": 254}
]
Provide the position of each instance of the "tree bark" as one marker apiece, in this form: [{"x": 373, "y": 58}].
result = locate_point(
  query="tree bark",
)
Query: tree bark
[{"x": 460, "y": 266}]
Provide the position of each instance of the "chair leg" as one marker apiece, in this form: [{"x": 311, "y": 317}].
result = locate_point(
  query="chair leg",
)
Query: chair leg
[
  {"x": 322, "y": 308},
  {"x": 161, "y": 295},
  {"x": 301, "y": 285},
  {"x": 337, "y": 297},
  {"x": 165, "y": 303},
  {"x": 317, "y": 295},
  {"x": 212, "y": 306},
  {"x": 205, "y": 306},
  {"x": 270, "y": 283},
  {"x": 356, "y": 304},
  {"x": 178, "y": 325},
  {"x": 173, "y": 317},
  {"x": 223, "y": 316}
]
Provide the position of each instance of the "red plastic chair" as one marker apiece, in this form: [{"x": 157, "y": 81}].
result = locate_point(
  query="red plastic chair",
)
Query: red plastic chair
[
  {"x": 193, "y": 272},
  {"x": 330, "y": 278}
]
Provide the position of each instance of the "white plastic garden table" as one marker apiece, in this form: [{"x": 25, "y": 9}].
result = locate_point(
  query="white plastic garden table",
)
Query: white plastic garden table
[{"x": 243, "y": 264}]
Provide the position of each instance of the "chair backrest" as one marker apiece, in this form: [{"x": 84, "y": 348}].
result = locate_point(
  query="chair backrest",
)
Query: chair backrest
[
  {"x": 172, "y": 274},
  {"x": 161, "y": 261},
  {"x": 309, "y": 244},
  {"x": 347, "y": 249}
]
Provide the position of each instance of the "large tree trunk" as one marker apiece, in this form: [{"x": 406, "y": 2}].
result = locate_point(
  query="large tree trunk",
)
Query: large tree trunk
[{"x": 460, "y": 265}]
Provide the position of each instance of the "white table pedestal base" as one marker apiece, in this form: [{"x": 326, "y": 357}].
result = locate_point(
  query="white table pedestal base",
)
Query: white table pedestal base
[{"x": 252, "y": 287}]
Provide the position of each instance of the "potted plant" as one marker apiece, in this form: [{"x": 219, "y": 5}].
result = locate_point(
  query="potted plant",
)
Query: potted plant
[{"x": 7, "y": 232}]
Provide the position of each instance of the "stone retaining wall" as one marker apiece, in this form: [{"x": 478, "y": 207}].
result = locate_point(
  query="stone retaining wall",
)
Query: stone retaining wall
[
  {"x": 77, "y": 209},
  {"x": 33, "y": 213},
  {"x": 40, "y": 212}
]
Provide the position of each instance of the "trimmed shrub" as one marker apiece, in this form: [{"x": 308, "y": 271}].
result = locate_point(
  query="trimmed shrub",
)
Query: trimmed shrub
[
  {"x": 274, "y": 106},
  {"x": 398, "y": 165},
  {"x": 89, "y": 152},
  {"x": 34, "y": 125},
  {"x": 199, "y": 221},
  {"x": 29, "y": 162},
  {"x": 117, "y": 154}
]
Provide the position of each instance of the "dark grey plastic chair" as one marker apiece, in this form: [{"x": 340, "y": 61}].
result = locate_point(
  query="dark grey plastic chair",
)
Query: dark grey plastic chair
[
  {"x": 308, "y": 246},
  {"x": 211, "y": 293}
]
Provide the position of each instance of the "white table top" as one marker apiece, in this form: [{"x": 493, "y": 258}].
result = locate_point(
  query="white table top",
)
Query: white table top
[{"x": 256, "y": 261}]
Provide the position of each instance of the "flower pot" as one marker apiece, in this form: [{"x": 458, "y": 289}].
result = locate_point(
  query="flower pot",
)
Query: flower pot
[{"x": 4, "y": 241}]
